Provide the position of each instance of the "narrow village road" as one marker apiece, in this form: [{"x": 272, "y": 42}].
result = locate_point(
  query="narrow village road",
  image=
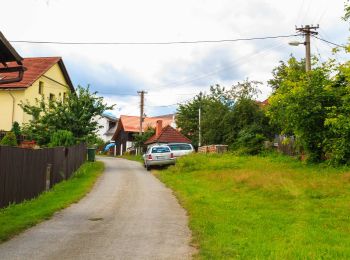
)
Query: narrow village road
[{"x": 128, "y": 215}]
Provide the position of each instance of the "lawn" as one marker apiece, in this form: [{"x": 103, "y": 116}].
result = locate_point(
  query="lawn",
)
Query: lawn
[
  {"x": 270, "y": 207},
  {"x": 19, "y": 217}
]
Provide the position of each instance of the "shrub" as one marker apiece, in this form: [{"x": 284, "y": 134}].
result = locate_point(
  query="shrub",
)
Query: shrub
[
  {"x": 249, "y": 141},
  {"x": 62, "y": 138},
  {"x": 16, "y": 129},
  {"x": 9, "y": 139}
]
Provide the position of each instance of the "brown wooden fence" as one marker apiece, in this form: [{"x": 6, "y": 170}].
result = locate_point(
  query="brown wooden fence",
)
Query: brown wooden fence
[{"x": 25, "y": 173}]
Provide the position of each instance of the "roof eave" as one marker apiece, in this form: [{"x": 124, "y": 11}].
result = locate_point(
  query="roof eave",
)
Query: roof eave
[{"x": 66, "y": 75}]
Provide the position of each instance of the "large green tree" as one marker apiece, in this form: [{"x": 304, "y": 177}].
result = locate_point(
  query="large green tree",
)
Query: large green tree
[
  {"x": 227, "y": 116},
  {"x": 76, "y": 114}
]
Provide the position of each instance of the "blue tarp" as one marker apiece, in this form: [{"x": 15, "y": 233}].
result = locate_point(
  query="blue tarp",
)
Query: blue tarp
[{"x": 108, "y": 146}]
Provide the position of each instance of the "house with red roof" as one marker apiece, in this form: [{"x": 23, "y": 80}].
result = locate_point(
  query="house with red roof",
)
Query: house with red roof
[
  {"x": 44, "y": 76},
  {"x": 127, "y": 126},
  {"x": 167, "y": 134}
]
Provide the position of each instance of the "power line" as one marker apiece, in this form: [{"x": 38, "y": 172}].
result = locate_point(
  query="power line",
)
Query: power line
[
  {"x": 155, "y": 43},
  {"x": 335, "y": 44},
  {"x": 212, "y": 73}
]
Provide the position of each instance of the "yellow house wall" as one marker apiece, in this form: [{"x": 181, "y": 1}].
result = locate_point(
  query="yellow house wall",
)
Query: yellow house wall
[
  {"x": 54, "y": 83},
  {"x": 6, "y": 107}
]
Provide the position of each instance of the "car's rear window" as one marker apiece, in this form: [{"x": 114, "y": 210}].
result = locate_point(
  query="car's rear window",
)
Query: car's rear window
[
  {"x": 177, "y": 147},
  {"x": 160, "y": 149}
]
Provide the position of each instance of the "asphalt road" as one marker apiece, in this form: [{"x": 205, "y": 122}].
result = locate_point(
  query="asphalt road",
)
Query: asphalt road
[{"x": 129, "y": 214}]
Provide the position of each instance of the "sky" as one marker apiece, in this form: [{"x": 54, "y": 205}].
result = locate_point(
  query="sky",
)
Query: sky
[{"x": 175, "y": 73}]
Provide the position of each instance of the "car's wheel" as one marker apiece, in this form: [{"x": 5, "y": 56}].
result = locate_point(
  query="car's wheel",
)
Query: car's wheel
[{"x": 148, "y": 168}]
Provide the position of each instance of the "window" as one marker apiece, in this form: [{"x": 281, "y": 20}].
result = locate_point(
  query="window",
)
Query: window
[
  {"x": 52, "y": 97},
  {"x": 162, "y": 149},
  {"x": 65, "y": 95},
  {"x": 41, "y": 87},
  {"x": 178, "y": 147}
]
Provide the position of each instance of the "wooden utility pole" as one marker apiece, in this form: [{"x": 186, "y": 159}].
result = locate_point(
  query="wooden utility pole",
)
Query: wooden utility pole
[
  {"x": 142, "y": 104},
  {"x": 307, "y": 31}
]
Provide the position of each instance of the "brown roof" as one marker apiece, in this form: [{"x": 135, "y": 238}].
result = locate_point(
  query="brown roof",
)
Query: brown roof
[
  {"x": 168, "y": 135},
  {"x": 36, "y": 67},
  {"x": 132, "y": 123},
  {"x": 7, "y": 52}
]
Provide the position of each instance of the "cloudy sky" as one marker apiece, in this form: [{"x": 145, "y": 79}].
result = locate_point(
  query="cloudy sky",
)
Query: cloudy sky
[{"x": 169, "y": 73}]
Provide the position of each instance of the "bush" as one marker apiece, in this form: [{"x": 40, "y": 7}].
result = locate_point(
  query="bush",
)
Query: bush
[
  {"x": 62, "y": 138},
  {"x": 9, "y": 139},
  {"x": 16, "y": 129},
  {"x": 249, "y": 141}
]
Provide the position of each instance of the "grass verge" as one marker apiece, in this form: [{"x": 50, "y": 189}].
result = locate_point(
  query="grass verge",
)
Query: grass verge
[
  {"x": 270, "y": 207},
  {"x": 18, "y": 217}
]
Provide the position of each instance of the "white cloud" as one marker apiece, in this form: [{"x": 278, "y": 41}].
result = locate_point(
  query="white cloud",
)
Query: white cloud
[{"x": 170, "y": 73}]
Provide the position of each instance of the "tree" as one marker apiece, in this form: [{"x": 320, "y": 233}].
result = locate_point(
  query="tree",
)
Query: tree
[
  {"x": 9, "y": 139},
  {"x": 141, "y": 139},
  {"x": 16, "y": 129},
  {"x": 75, "y": 114},
  {"x": 300, "y": 105},
  {"x": 187, "y": 117},
  {"x": 293, "y": 69},
  {"x": 225, "y": 113},
  {"x": 62, "y": 138}
]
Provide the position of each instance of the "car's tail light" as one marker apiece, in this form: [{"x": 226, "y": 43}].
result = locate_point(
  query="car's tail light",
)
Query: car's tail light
[
  {"x": 150, "y": 157},
  {"x": 171, "y": 155}
]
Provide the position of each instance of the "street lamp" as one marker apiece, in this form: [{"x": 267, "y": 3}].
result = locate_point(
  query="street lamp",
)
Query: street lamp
[
  {"x": 296, "y": 43},
  {"x": 307, "y": 31}
]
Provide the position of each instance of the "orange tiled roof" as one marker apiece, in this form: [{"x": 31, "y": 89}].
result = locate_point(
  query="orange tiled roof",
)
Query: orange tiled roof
[
  {"x": 36, "y": 67},
  {"x": 168, "y": 135},
  {"x": 132, "y": 123}
]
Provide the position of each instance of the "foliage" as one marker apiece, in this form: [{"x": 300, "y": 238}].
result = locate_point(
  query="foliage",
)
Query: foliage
[
  {"x": 299, "y": 106},
  {"x": 62, "y": 138},
  {"x": 76, "y": 114},
  {"x": 18, "y": 217},
  {"x": 94, "y": 141},
  {"x": 292, "y": 69},
  {"x": 271, "y": 207},
  {"x": 16, "y": 129},
  {"x": 225, "y": 112},
  {"x": 9, "y": 139},
  {"x": 337, "y": 123},
  {"x": 314, "y": 107},
  {"x": 141, "y": 139},
  {"x": 249, "y": 141}
]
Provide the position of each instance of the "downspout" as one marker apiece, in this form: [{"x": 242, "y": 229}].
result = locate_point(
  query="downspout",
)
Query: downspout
[{"x": 13, "y": 106}]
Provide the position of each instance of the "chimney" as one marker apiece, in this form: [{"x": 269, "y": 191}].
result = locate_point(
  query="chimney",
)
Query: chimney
[{"x": 159, "y": 127}]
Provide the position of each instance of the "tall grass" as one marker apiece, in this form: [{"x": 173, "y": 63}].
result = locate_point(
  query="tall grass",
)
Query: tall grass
[{"x": 271, "y": 207}]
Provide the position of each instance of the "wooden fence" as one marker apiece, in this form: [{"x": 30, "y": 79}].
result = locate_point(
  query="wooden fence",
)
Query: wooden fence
[
  {"x": 25, "y": 173},
  {"x": 214, "y": 148}
]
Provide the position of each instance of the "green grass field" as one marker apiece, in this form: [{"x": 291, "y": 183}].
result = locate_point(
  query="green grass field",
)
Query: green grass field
[
  {"x": 269, "y": 207},
  {"x": 19, "y": 217}
]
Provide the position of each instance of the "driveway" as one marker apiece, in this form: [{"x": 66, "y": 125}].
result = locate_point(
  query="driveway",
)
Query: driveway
[{"x": 129, "y": 214}]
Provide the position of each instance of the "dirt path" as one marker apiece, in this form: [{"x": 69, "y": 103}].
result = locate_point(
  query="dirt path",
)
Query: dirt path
[{"x": 128, "y": 215}]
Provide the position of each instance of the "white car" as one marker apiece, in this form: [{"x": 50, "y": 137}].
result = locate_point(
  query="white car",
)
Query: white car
[
  {"x": 158, "y": 155},
  {"x": 180, "y": 149}
]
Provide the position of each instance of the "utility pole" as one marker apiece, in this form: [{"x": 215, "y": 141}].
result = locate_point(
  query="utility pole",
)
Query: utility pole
[
  {"x": 199, "y": 128},
  {"x": 307, "y": 31},
  {"x": 142, "y": 104}
]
